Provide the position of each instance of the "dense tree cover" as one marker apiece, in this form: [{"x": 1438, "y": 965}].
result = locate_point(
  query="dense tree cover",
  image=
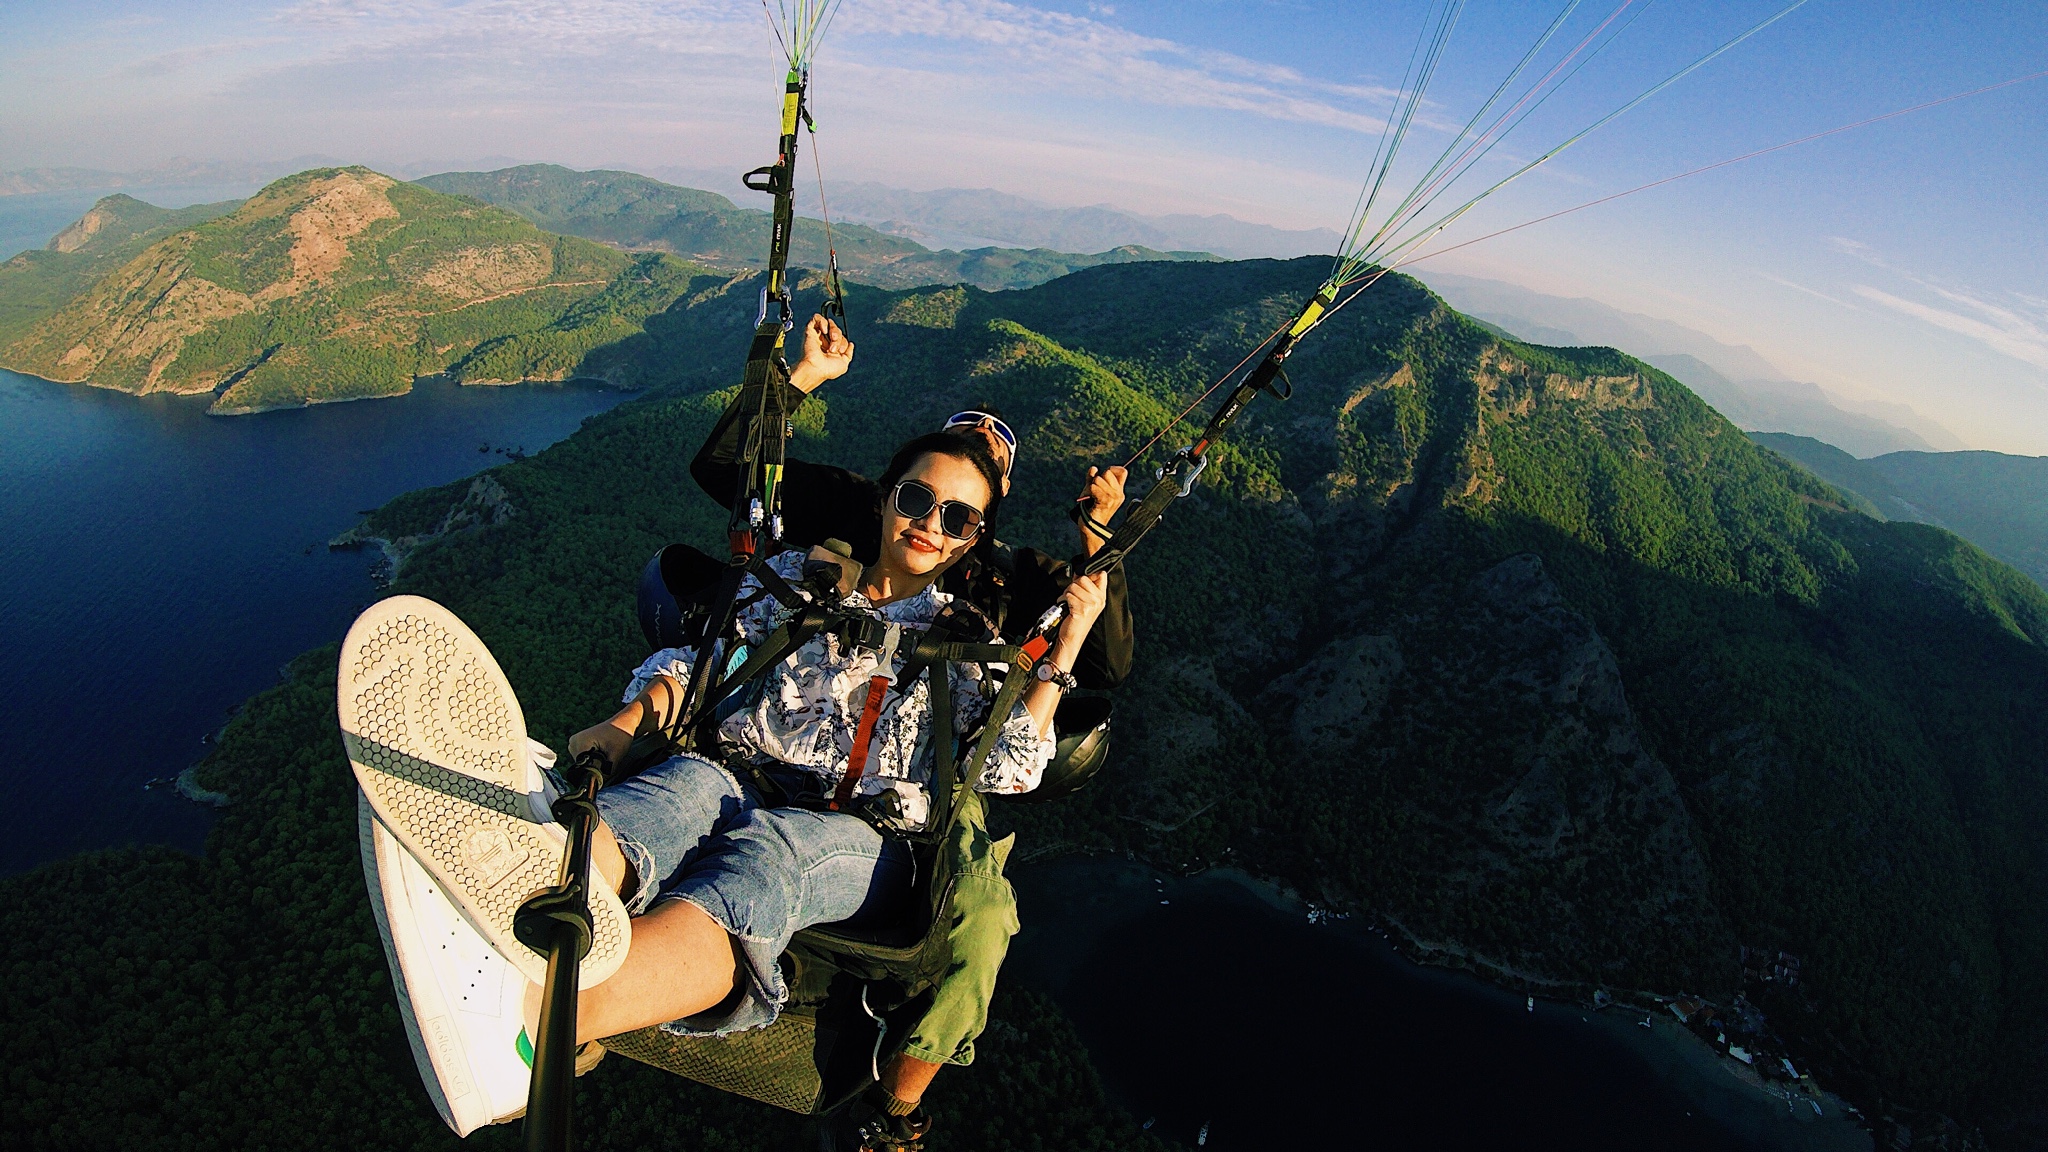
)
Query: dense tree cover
[
  {"x": 639, "y": 212},
  {"x": 1525, "y": 649}
]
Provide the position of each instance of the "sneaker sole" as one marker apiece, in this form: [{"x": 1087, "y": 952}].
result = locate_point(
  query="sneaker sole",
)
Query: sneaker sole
[{"x": 439, "y": 748}]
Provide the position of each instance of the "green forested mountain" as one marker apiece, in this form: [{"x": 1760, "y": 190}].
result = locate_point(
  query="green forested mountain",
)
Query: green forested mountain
[
  {"x": 1525, "y": 649},
  {"x": 638, "y": 212},
  {"x": 333, "y": 284},
  {"x": 37, "y": 283},
  {"x": 1997, "y": 501}
]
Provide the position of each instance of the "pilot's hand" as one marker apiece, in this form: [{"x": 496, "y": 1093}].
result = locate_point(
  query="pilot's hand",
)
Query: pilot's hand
[
  {"x": 1104, "y": 492},
  {"x": 827, "y": 355},
  {"x": 1084, "y": 599}
]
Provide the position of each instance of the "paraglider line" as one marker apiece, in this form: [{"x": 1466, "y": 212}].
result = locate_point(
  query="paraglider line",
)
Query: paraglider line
[
  {"x": 1732, "y": 160},
  {"x": 1220, "y": 382},
  {"x": 777, "y": 29},
  {"x": 1393, "y": 255}
]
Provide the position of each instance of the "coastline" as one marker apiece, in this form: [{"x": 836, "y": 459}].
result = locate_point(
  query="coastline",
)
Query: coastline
[
  {"x": 190, "y": 789},
  {"x": 257, "y": 410},
  {"x": 1074, "y": 907}
]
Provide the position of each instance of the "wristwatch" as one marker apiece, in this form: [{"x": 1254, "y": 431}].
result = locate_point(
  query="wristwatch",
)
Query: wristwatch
[{"x": 1047, "y": 673}]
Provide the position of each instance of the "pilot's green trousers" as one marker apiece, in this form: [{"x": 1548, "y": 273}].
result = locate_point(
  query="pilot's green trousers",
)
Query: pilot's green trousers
[{"x": 984, "y": 919}]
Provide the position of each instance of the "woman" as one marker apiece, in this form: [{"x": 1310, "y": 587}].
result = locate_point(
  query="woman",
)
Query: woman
[
  {"x": 719, "y": 883},
  {"x": 715, "y": 882}
]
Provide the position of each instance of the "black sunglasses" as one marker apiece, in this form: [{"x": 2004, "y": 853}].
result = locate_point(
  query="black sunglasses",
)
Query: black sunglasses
[{"x": 915, "y": 500}]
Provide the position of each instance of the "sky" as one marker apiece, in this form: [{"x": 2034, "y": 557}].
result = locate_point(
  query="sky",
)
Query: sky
[{"x": 1901, "y": 263}]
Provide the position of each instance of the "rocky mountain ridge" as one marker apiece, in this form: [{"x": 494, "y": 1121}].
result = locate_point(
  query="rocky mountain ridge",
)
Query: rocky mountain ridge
[
  {"x": 639, "y": 213},
  {"x": 338, "y": 284}
]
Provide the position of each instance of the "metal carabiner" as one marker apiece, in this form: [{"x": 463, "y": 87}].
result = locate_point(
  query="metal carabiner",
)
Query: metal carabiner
[
  {"x": 788, "y": 315},
  {"x": 1186, "y": 453}
]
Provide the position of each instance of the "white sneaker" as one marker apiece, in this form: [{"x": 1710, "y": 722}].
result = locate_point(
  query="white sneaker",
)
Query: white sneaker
[
  {"x": 460, "y": 999},
  {"x": 440, "y": 751}
]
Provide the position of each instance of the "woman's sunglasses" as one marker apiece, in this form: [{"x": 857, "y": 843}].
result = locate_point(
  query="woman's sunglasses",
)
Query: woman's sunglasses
[{"x": 915, "y": 500}]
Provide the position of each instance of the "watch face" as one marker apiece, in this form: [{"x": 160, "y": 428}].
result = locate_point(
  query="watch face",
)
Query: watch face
[{"x": 1044, "y": 672}]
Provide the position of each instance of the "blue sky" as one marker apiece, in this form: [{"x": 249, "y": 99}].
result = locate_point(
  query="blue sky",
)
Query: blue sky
[{"x": 1905, "y": 263}]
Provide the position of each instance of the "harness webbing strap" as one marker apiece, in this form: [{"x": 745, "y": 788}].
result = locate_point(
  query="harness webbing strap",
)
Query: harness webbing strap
[
  {"x": 999, "y": 714},
  {"x": 864, "y": 732}
]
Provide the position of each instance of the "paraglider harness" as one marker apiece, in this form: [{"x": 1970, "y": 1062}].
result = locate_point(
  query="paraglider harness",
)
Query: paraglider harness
[{"x": 853, "y": 992}]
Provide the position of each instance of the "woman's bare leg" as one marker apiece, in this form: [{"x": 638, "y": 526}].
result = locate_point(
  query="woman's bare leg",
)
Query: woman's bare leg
[{"x": 681, "y": 962}]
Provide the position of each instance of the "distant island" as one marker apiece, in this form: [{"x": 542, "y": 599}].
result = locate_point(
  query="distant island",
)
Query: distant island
[
  {"x": 344, "y": 284},
  {"x": 334, "y": 284}
]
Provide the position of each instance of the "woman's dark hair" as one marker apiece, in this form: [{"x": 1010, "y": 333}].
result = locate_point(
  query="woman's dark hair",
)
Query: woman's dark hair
[{"x": 969, "y": 448}]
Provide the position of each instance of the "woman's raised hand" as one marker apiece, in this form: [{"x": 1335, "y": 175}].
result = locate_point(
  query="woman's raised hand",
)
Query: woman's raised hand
[{"x": 827, "y": 355}]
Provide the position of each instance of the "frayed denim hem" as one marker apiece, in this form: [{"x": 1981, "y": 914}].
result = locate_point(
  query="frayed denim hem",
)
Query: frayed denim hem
[{"x": 766, "y": 991}]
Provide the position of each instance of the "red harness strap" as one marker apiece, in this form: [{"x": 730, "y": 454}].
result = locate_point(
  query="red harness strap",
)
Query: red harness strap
[{"x": 864, "y": 732}]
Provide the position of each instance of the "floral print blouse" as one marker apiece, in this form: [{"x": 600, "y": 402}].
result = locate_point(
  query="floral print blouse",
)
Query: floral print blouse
[{"x": 809, "y": 705}]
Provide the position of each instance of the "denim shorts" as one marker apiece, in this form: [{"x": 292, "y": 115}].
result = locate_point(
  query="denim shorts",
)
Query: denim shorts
[{"x": 695, "y": 832}]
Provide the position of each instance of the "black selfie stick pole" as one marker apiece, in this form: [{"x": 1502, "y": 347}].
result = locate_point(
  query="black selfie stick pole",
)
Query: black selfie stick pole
[{"x": 556, "y": 923}]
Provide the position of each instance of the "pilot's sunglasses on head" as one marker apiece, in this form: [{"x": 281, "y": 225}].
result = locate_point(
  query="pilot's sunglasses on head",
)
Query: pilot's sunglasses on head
[
  {"x": 974, "y": 419},
  {"x": 915, "y": 500}
]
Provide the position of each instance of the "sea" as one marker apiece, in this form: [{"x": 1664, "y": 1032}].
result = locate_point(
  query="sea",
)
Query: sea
[
  {"x": 1225, "y": 1017},
  {"x": 158, "y": 566}
]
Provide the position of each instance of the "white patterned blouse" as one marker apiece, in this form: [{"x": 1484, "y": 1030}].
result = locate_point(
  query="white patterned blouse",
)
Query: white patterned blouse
[{"x": 808, "y": 706}]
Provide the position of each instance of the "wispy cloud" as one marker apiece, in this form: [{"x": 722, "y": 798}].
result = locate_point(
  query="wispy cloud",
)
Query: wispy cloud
[
  {"x": 2003, "y": 328},
  {"x": 181, "y": 59},
  {"x": 1813, "y": 292},
  {"x": 1023, "y": 48},
  {"x": 2006, "y": 331},
  {"x": 1095, "y": 58}
]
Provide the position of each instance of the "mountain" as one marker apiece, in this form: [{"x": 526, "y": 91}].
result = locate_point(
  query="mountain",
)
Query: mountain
[
  {"x": 176, "y": 172},
  {"x": 970, "y": 216},
  {"x": 114, "y": 231},
  {"x": 1526, "y": 652},
  {"x": 334, "y": 284},
  {"x": 1776, "y": 404},
  {"x": 1996, "y": 501},
  {"x": 638, "y": 212},
  {"x": 1745, "y": 387}
]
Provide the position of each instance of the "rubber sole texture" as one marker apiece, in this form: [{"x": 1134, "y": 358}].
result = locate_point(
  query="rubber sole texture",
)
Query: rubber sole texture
[{"x": 439, "y": 748}]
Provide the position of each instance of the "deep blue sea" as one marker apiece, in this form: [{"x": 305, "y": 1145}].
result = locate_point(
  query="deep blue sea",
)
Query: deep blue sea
[
  {"x": 1217, "y": 1012},
  {"x": 159, "y": 565}
]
